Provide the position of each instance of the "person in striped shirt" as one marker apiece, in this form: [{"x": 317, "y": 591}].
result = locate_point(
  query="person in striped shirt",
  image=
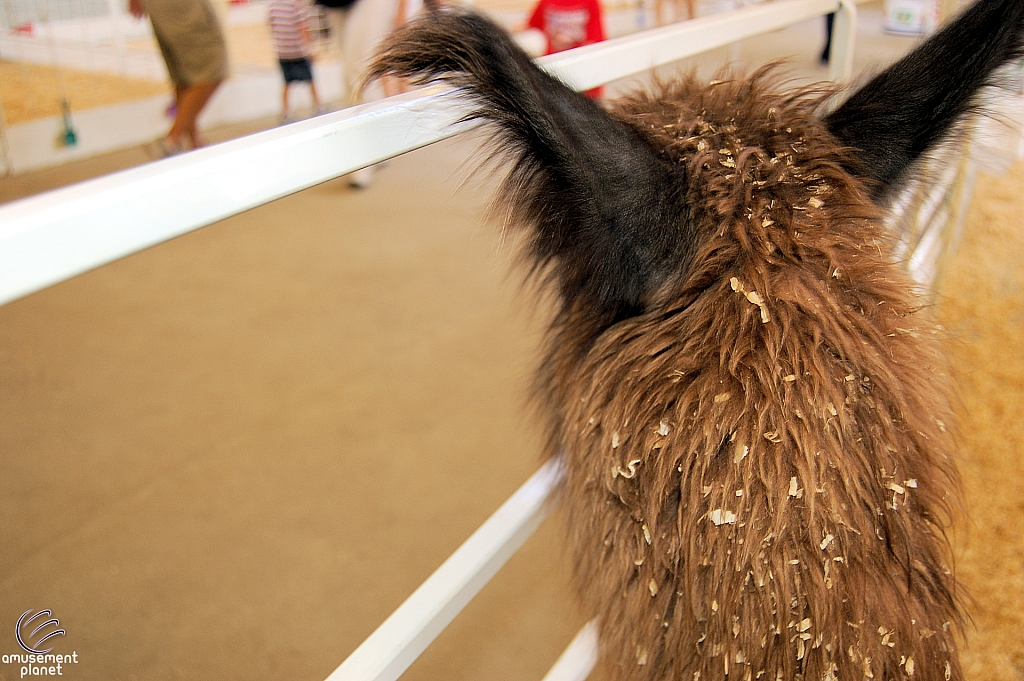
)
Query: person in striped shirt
[{"x": 289, "y": 29}]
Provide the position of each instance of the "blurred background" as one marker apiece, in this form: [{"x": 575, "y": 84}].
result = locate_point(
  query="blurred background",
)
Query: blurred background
[{"x": 104, "y": 64}]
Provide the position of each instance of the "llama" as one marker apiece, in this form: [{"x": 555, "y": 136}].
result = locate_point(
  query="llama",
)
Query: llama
[{"x": 751, "y": 408}]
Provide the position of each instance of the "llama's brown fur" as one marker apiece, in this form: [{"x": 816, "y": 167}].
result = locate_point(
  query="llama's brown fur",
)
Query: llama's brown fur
[
  {"x": 750, "y": 406},
  {"x": 758, "y": 470}
]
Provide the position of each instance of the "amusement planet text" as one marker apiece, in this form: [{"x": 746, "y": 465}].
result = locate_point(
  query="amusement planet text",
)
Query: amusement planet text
[{"x": 41, "y": 665}]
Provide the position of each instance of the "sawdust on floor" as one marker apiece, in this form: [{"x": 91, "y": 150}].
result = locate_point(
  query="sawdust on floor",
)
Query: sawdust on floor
[
  {"x": 32, "y": 91},
  {"x": 982, "y": 305}
]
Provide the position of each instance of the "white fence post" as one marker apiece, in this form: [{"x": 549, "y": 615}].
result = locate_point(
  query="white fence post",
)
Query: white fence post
[
  {"x": 844, "y": 33},
  {"x": 117, "y": 14},
  {"x": 6, "y": 167}
]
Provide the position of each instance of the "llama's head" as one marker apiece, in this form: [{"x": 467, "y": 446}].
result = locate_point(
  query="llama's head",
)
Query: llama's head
[
  {"x": 620, "y": 204},
  {"x": 736, "y": 377}
]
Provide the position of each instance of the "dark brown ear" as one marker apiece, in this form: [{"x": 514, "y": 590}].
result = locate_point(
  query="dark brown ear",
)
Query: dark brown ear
[
  {"x": 602, "y": 206},
  {"x": 908, "y": 108}
]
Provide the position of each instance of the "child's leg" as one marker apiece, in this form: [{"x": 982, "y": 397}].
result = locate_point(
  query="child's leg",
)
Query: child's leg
[
  {"x": 284, "y": 99},
  {"x": 316, "y": 98}
]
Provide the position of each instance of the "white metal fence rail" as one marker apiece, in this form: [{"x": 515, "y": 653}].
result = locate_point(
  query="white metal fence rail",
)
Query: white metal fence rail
[
  {"x": 396, "y": 643},
  {"x": 55, "y": 236}
]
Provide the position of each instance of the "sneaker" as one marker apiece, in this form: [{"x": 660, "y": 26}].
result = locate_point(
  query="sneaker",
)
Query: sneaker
[{"x": 161, "y": 148}]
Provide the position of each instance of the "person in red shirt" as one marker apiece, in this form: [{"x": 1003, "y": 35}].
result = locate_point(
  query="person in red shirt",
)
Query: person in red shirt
[{"x": 567, "y": 24}]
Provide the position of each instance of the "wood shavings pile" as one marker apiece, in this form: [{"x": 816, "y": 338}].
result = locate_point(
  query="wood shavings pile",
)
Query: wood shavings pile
[
  {"x": 31, "y": 91},
  {"x": 981, "y": 303}
]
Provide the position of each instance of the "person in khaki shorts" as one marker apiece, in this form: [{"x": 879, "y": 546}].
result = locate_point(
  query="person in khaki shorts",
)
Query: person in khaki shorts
[{"x": 193, "y": 48}]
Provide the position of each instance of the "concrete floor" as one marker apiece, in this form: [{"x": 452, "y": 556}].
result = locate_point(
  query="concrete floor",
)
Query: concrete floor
[{"x": 233, "y": 455}]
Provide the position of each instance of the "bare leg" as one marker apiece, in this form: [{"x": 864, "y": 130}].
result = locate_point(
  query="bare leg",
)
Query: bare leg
[
  {"x": 691, "y": 9},
  {"x": 191, "y": 100},
  {"x": 316, "y": 98},
  {"x": 284, "y": 101}
]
